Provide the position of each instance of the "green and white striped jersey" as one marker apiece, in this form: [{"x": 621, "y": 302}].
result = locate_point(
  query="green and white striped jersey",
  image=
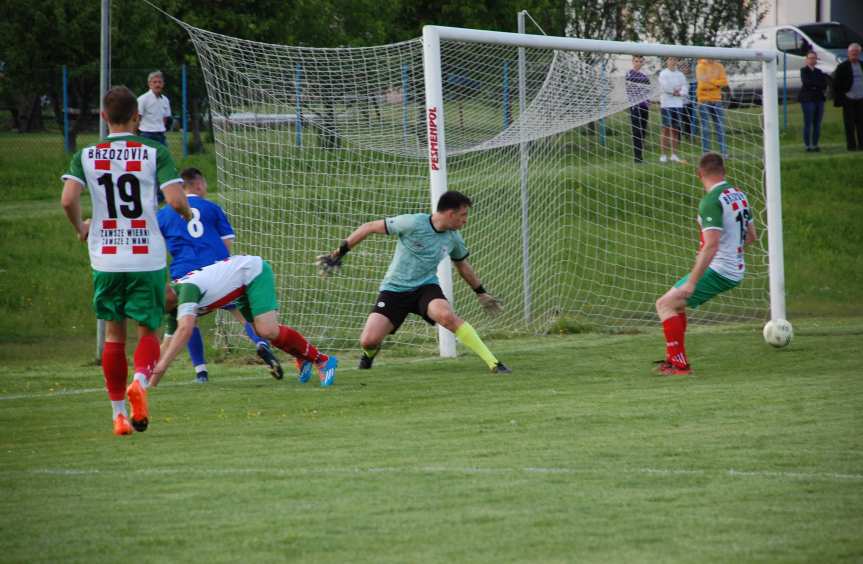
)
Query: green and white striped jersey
[
  {"x": 217, "y": 285},
  {"x": 726, "y": 208},
  {"x": 123, "y": 174}
]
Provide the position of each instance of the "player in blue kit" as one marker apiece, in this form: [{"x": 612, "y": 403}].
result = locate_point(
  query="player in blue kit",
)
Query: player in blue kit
[
  {"x": 204, "y": 240},
  {"x": 411, "y": 283}
]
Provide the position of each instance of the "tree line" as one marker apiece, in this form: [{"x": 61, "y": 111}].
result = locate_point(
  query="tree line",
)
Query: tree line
[{"x": 40, "y": 36}]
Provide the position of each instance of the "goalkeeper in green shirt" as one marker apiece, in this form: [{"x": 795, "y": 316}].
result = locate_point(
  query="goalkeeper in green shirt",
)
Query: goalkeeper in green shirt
[{"x": 411, "y": 282}]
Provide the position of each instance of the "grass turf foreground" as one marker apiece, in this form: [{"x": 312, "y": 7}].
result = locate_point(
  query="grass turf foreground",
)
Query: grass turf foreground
[{"x": 581, "y": 455}]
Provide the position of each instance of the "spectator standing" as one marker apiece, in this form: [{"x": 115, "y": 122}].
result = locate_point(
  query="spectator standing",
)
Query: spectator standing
[
  {"x": 812, "y": 101},
  {"x": 848, "y": 89},
  {"x": 638, "y": 94},
  {"x": 673, "y": 85},
  {"x": 154, "y": 108},
  {"x": 166, "y": 107},
  {"x": 711, "y": 78},
  {"x": 689, "y": 113}
]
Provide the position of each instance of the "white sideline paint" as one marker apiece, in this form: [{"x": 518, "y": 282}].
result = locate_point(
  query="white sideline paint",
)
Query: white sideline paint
[{"x": 392, "y": 470}]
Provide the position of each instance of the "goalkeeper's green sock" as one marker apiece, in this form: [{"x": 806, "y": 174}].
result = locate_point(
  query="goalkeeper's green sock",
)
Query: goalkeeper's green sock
[
  {"x": 368, "y": 357},
  {"x": 470, "y": 338},
  {"x": 371, "y": 352}
]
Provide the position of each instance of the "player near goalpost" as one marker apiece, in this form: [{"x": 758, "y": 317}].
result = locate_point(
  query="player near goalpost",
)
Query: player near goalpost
[
  {"x": 127, "y": 252},
  {"x": 206, "y": 239},
  {"x": 725, "y": 219},
  {"x": 411, "y": 283},
  {"x": 248, "y": 281}
]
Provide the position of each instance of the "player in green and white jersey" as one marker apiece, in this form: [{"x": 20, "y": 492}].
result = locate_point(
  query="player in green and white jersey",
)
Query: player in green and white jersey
[
  {"x": 123, "y": 174},
  {"x": 725, "y": 219},
  {"x": 247, "y": 281},
  {"x": 411, "y": 283}
]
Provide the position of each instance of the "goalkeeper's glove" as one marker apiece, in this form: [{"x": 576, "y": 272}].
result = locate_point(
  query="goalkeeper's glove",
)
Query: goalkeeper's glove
[
  {"x": 331, "y": 263},
  {"x": 489, "y": 303},
  {"x": 328, "y": 265}
]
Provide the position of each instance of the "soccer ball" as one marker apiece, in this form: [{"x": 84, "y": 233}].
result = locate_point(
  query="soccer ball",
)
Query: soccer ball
[{"x": 778, "y": 333}]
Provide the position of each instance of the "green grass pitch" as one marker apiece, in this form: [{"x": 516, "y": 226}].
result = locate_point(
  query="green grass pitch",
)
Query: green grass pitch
[{"x": 581, "y": 455}]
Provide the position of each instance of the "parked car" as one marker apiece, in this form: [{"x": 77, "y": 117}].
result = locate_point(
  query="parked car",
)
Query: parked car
[{"x": 829, "y": 40}]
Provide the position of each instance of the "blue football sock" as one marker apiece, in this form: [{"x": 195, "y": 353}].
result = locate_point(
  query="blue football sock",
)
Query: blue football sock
[
  {"x": 250, "y": 331},
  {"x": 196, "y": 348}
]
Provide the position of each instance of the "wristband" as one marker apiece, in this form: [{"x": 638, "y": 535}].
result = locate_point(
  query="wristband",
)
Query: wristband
[
  {"x": 344, "y": 248},
  {"x": 479, "y": 289}
]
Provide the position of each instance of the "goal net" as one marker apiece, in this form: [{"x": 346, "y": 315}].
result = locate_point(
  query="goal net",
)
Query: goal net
[{"x": 567, "y": 229}]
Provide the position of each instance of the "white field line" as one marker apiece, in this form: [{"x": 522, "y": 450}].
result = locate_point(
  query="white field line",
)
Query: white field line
[{"x": 468, "y": 470}]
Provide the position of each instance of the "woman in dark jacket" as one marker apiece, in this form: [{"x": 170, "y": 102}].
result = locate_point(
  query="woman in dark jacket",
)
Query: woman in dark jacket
[{"x": 812, "y": 101}]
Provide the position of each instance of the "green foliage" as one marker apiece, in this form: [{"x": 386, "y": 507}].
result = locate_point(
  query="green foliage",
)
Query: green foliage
[{"x": 699, "y": 22}]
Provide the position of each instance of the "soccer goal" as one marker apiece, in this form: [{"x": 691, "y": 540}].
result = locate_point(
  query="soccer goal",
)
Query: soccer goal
[{"x": 566, "y": 228}]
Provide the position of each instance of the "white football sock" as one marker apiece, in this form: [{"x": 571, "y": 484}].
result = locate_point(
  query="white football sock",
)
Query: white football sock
[
  {"x": 118, "y": 407},
  {"x": 145, "y": 383},
  {"x": 200, "y": 368}
]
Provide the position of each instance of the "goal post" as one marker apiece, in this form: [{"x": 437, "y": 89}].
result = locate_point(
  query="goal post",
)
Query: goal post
[
  {"x": 773, "y": 189},
  {"x": 433, "y": 36},
  {"x": 568, "y": 229},
  {"x": 437, "y": 166}
]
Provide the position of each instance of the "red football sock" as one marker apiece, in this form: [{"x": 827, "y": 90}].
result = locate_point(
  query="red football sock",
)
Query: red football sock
[
  {"x": 115, "y": 370},
  {"x": 146, "y": 355},
  {"x": 682, "y": 317},
  {"x": 296, "y": 345},
  {"x": 674, "y": 328}
]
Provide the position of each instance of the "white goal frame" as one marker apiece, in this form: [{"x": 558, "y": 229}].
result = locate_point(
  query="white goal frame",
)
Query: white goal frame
[{"x": 436, "y": 129}]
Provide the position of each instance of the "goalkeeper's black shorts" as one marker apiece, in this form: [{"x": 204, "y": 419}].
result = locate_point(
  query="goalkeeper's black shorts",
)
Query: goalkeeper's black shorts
[{"x": 396, "y": 306}]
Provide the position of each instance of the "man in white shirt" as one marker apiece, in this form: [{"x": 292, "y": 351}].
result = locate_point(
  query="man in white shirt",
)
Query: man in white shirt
[
  {"x": 674, "y": 90},
  {"x": 166, "y": 107},
  {"x": 154, "y": 108}
]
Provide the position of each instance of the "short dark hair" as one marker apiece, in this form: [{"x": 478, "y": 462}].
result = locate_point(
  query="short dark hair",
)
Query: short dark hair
[
  {"x": 120, "y": 105},
  {"x": 712, "y": 164},
  {"x": 452, "y": 200},
  {"x": 191, "y": 174}
]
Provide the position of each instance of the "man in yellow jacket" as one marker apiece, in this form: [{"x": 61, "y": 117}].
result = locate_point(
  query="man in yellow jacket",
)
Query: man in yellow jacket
[{"x": 711, "y": 80}]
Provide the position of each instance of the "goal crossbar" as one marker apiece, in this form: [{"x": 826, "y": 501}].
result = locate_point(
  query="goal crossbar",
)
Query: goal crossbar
[{"x": 596, "y": 45}]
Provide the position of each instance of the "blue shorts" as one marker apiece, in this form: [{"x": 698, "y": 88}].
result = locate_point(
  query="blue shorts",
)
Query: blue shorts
[{"x": 672, "y": 117}]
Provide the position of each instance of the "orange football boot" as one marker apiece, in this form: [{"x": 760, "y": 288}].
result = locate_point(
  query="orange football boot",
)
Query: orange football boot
[
  {"x": 121, "y": 426},
  {"x": 138, "y": 399}
]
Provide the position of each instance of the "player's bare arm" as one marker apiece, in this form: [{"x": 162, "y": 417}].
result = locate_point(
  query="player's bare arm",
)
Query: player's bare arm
[
  {"x": 467, "y": 273},
  {"x": 331, "y": 263},
  {"x": 489, "y": 303},
  {"x": 361, "y": 232},
  {"x": 176, "y": 198},
  {"x": 702, "y": 260},
  {"x": 71, "y": 202},
  {"x": 185, "y": 326},
  {"x": 751, "y": 234}
]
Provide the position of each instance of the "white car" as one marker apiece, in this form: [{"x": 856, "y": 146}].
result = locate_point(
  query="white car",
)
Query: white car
[{"x": 829, "y": 40}]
